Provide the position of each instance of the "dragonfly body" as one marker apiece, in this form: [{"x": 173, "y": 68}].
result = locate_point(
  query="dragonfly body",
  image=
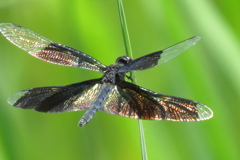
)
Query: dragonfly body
[
  {"x": 100, "y": 100},
  {"x": 111, "y": 93}
]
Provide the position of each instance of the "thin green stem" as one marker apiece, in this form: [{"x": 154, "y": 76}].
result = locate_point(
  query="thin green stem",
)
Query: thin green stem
[
  {"x": 128, "y": 50},
  {"x": 125, "y": 33}
]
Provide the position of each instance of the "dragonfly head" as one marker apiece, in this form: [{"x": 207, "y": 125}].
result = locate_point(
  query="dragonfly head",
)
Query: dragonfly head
[{"x": 123, "y": 60}]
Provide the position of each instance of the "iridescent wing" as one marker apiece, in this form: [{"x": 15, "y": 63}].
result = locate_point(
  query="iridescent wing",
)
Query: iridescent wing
[
  {"x": 124, "y": 99},
  {"x": 159, "y": 57},
  {"x": 56, "y": 99},
  {"x": 132, "y": 101},
  {"x": 47, "y": 50}
]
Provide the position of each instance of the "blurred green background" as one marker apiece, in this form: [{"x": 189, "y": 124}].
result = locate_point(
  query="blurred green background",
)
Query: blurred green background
[{"x": 208, "y": 73}]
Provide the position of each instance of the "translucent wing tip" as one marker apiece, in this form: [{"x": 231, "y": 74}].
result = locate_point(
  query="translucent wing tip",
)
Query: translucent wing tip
[
  {"x": 204, "y": 112},
  {"x": 4, "y": 26},
  {"x": 7, "y": 30},
  {"x": 15, "y": 97},
  {"x": 196, "y": 39}
]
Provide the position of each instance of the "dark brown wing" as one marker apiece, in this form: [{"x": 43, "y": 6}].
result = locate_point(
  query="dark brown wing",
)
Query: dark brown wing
[
  {"x": 55, "y": 99},
  {"x": 132, "y": 101},
  {"x": 159, "y": 57},
  {"x": 47, "y": 50}
]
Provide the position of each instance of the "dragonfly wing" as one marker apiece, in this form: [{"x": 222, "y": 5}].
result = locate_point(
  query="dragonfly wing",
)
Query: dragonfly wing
[
  {"x": 159, "y": 57},
  {"x": 132, "y": 101},
  {"x": 47, "y": 50},
  {"x": 56, "y": 99}
]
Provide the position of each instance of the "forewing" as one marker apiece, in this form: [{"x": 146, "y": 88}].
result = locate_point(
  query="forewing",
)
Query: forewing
[
  {"x": 159, "y": 57},
  {"x": 56, "y": 99},
  {"x": 132, "y": 101},
  {"x": 47, "y": 50}
]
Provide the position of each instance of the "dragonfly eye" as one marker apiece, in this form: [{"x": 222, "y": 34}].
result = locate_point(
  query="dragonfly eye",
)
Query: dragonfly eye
[{"x": 123, "y": 60}]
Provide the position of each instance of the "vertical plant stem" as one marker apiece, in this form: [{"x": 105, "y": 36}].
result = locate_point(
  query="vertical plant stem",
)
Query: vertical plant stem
[
  {"x": 128, "y": 50},
  {"x": 126, "y": 38}
]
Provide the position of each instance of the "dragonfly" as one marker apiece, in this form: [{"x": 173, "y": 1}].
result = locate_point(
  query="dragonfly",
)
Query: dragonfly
[{"x": 112, "y": 93}]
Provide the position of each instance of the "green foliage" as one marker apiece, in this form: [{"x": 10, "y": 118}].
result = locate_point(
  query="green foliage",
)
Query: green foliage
[{"x": 208, "y": 73}]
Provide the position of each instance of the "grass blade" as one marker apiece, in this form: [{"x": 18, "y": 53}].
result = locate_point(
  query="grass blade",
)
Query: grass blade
[{"x": 128, "y": 50}]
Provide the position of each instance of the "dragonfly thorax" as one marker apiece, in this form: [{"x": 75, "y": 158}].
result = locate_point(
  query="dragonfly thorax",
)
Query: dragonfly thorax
[{"x": 111, "y": 75}]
